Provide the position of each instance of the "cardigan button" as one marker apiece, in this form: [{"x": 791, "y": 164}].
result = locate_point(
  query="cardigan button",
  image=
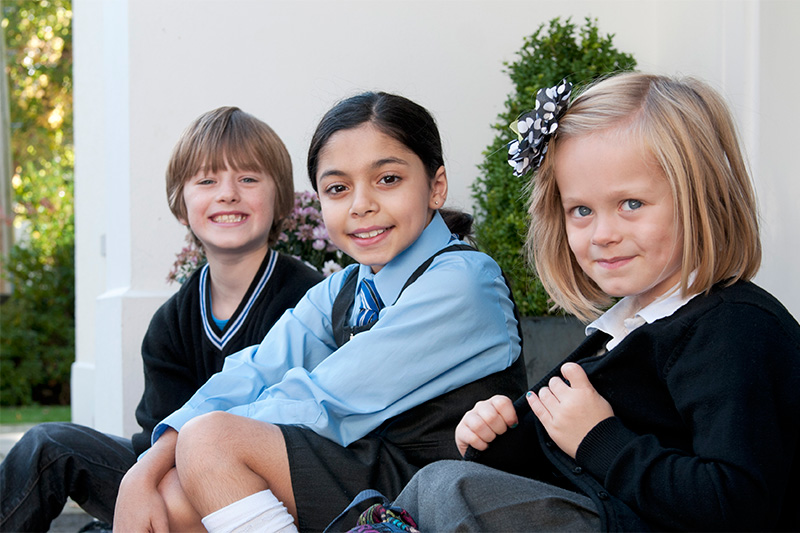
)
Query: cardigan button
[
  {"x": 603, "y": 495},
  {"x": 549, "y": 444},
  {"x": 577, "y": 470}
]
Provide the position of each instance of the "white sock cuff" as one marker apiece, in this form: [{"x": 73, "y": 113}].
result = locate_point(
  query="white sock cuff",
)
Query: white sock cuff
[{"x": 240, "y": 512}]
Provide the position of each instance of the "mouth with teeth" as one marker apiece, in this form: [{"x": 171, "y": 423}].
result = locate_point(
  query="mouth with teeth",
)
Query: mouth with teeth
[
  {"x": 369, "y": 234},
  {"x": 228, "y": 219}
]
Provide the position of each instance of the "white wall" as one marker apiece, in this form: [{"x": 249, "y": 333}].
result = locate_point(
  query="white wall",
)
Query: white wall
[
  {"x": 145, "y": 68},
  {"x": 776, "y": 172}
]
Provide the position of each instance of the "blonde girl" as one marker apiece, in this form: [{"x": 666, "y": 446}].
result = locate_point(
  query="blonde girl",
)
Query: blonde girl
[{"x": 679, "y": 410}]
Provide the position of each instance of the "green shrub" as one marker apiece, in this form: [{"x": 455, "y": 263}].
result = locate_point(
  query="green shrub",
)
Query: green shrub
[
  {"x": 37, "y": 321},
  {"x": 556, "y": 50}
]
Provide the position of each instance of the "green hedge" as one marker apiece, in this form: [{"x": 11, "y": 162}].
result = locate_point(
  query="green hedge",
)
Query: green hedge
[
  {"x": 37, "y": 323},
  {"x": 38, "y": 327}
]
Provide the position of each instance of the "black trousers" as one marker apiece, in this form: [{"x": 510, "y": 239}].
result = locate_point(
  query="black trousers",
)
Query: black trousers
[{"x": 57, "y": 460}]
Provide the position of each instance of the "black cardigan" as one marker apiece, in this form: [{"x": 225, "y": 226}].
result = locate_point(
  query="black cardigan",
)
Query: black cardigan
[
  {"x": 706, "y": 427},
  {"x": 177, "y": 353}
]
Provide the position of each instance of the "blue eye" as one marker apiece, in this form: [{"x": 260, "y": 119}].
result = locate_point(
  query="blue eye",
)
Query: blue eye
[
  {"x": 581, "y": 211},
  {"x": 631, "y": 205}
]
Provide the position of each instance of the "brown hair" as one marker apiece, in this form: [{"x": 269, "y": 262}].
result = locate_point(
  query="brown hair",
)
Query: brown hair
[
  {"x": 688, "y": 129},
  {"x": 227, "y": 136}
]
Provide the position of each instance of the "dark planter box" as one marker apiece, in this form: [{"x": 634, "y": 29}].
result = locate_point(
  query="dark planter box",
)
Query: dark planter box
[{"x": 546, "y": 341}]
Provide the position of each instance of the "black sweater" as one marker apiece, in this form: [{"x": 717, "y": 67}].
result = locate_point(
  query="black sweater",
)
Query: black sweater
[
  {"x": 706, "y": 427},
  {"x": 180, "y": 353}
]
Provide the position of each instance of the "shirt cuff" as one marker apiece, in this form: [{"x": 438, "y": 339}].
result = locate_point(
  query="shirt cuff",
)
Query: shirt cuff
[{"x": 176, "y": 421}]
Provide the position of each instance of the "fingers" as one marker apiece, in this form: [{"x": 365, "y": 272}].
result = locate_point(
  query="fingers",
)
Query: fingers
[
  {"x": 538, "y": 407},
  {"x": 576, "y": 375},
  {"x": 484, "y": 422},
  {"x": 505, "y": 408},
  {"x": 492, "y": 416},
  {"x": 557, "y": 388},
  {"x": 465, "y": 438}
]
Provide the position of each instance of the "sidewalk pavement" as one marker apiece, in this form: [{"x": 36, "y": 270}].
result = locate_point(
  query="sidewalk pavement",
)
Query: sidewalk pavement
[{"x": 72, "y": 518}]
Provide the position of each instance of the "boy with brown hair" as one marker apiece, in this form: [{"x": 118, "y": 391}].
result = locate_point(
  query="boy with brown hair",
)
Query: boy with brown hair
[{"x": 229, "y": 180}]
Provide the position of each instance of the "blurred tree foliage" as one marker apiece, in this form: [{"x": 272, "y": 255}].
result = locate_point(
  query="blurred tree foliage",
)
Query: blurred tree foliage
[
  {"x": 37, "y": 321},
  {"x": 555, "y": 50}
]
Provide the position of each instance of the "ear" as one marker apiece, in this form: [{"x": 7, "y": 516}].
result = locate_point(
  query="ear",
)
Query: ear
[{"x": 438, "y": 189}]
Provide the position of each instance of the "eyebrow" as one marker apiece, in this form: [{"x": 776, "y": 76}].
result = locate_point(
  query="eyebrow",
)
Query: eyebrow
[
  {"x": 388, "y": 161},
  {"x": 374, "y": 166}
]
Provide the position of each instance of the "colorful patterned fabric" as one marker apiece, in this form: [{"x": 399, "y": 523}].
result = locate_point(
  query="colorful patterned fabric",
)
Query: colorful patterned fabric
[{"x": 382, "y": 519}]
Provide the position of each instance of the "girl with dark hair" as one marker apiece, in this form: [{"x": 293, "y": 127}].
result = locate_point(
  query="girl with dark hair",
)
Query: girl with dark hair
[
  {"x": 399, "y": 118},
  {"x": 363, "y": 383}
]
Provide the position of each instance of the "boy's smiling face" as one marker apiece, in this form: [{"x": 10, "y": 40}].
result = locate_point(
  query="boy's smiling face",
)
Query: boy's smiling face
[
  {"x": 230, "y": 211},
  {"x": 375, "y": 194}
]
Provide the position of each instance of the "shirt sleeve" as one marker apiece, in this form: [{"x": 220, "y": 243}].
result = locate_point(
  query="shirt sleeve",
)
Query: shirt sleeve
[
  {"x": 735, "y": 385},
  {"x": 301, "y": 337},
  {"x": 453, "y": 325}
]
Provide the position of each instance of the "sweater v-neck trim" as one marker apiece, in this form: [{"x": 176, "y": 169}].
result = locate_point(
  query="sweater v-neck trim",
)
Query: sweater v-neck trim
[{"x": 220, "y": 338}]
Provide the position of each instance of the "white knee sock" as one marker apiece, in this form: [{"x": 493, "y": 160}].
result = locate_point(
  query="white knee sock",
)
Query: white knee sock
[{"x": 261, "y": 511}]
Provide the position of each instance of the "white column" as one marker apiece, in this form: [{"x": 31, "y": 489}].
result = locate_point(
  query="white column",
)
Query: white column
[{"x": 115, "y": 293}]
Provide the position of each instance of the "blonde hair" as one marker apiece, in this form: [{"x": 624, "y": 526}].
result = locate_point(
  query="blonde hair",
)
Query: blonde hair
[
  {"x": 229, "y": 137},
  {"x": 687, "y": 128}
]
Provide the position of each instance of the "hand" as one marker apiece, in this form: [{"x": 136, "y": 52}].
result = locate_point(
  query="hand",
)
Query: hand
[
  {"x": 140, "y": 507},
  {"x": 569, "y": 412},
  {"x": 488, "y": 419}
]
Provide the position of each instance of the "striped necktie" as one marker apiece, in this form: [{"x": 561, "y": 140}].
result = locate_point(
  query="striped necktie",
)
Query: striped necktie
[{"x": 369, "y": 301}]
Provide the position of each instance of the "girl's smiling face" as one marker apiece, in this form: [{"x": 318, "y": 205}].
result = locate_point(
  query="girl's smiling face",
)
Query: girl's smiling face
[
  {"x": 375, "y": 194},
  {"x": 619, "y": 213}
]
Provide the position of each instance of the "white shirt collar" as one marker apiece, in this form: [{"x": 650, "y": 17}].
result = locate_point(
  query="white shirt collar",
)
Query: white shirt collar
[{"x": 622, "y": 318}]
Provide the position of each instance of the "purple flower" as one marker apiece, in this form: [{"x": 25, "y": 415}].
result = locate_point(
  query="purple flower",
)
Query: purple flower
[{"x": 320, "y": 232}]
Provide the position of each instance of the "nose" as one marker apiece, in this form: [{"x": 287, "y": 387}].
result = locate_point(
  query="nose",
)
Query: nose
[
  {"x": 605, "y": 231},
  {"x": 363, "y": 202},
  {"x": 228, "y": 191}
]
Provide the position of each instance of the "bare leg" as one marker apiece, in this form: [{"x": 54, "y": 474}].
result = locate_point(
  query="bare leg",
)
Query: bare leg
[
  {"x": 222, "y": 458},
  {"x": 182, "y": 516}
]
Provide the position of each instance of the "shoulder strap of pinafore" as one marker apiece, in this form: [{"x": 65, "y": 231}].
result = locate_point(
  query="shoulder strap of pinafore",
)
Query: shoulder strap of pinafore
[{"x": 343, "y": 304}]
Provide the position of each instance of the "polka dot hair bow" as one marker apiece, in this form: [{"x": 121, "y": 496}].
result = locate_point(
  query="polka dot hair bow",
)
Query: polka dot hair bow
[{"x": 535, "y": 128}]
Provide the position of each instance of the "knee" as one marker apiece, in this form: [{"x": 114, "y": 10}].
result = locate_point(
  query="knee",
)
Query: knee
[
  {"x": 47, "y": 440},
  {"x": 205, "y": 431},
  {"x": 438, "y": 475},
  {"x": 49, "y": 432},
  {"x": 427, "y": 487},
  {"x": 435, "y": 479},
  {"x": 206, "y": 440}
]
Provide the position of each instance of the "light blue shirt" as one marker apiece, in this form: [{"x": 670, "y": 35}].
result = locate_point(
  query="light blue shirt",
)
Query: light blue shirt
[{"x": 454, "y": 325}]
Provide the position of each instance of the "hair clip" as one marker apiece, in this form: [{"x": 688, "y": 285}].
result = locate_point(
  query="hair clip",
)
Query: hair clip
[{"x": 535, "y": 128}]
